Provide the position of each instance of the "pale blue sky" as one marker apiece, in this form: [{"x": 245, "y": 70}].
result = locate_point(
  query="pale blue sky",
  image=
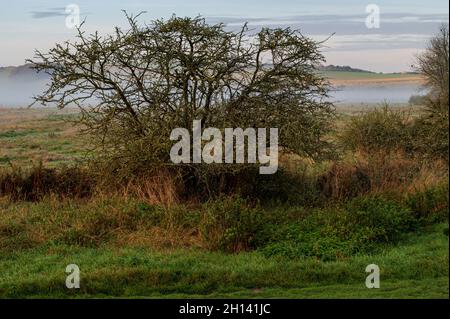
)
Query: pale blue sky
[{"x": 405, "y": 25}]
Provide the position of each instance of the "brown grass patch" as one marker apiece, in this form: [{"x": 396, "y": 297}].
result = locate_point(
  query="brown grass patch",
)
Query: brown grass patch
[{"x": 382, "y": 172}]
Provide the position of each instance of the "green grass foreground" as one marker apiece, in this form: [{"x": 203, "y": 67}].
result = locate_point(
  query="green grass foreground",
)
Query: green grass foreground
[{"x": 415, "y": 268}]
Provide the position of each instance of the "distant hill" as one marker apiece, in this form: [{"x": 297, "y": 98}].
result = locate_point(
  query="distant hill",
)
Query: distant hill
[{"x": 340, "y": 68}]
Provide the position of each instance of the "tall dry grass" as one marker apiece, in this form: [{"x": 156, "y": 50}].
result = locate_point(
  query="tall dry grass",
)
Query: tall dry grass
[
  {"x": 161, "y": 188},
  {"x": 381, "y": 172}
]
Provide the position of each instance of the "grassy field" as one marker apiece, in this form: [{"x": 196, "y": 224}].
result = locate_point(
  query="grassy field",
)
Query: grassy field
[
  {"x": 28, "y": 136},
  {"x": 372, "y": 79},
  {"x": 418, "y": 268},
  {"x": 133, "y": 248}
]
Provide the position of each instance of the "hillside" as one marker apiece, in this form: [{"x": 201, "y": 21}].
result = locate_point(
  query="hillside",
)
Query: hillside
[{"x": 340, "y": 68}]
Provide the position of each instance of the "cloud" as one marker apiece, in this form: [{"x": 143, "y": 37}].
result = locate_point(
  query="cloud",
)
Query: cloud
[
  {"x": 345, "y": 24},
  {"x": 49, "y": 13},
  {"x": 364, "y": 42}
]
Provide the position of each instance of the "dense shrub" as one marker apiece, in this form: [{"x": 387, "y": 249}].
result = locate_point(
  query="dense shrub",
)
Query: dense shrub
[
  {"x": 377, "y": 173},
  {"x": 35, "y": 183},
  {"x": 429, "y": 205},
  {"x": 385, "y": 130},
  {"x": 433, "y": 140},
  {"x": 361, "y": 226},
  {"x": 231, "y": 224},
  {"x": 386, "y": 219},
  {"x": 343, "y": 181},
  {"x": 381, "y": 129},
  {"x": 431, "y": 134},
  {"x": 296, "y": 188}
]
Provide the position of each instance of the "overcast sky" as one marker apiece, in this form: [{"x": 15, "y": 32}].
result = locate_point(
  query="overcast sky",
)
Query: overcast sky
[{"x": 404, "y": 29}]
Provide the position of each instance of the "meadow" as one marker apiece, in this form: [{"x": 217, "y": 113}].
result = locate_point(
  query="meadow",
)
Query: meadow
[
  {"x": 308, "y": 232},
  {"x": 32, "y": 135}
]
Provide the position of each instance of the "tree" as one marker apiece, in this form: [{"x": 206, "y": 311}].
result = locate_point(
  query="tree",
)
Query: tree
[
  {"x": 433, "y": 126},
  {"x": 134, "y": 86},
  {"x": 433, "y": 64}
]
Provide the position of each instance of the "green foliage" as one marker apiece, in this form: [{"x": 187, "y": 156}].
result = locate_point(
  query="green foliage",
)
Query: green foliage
[
  {"x": 433, "y": 129},
  {"x": 433, "y": 64},
  {"x": 431, "y": 134},
  {"x": 361, "y": 226},
  {"x": 386, "y": 220},
  {"x": 231, "y": 224},
  {"x": 429, "y": 205},
  {"x": 416, "y": 269},
  {"x": 386, "y": 129},
  {"x": 381, "y": 129}
]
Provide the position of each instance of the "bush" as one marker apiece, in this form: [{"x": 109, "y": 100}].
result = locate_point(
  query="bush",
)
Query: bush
[
  {"x": 431, "y": 135},
  {"x": 429, "y": 205},
  {"x": 296, "y": 188},
  {"x": 35, "y": 183},
  {"x": 362, "y": 226},
  {"x": 379, "y": 173},
  {"x": 343, "y": 181},
  {"x": 385, "y": 130},
  {"x": 382, "y": 129},
  {"x": 433, "y": 125},
  {"x": 385, "y": 219},
  {"x": 231, "y": 224}
]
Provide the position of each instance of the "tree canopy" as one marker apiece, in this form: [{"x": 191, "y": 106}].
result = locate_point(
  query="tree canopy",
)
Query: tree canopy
[{"x": 135, "y": 85}]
